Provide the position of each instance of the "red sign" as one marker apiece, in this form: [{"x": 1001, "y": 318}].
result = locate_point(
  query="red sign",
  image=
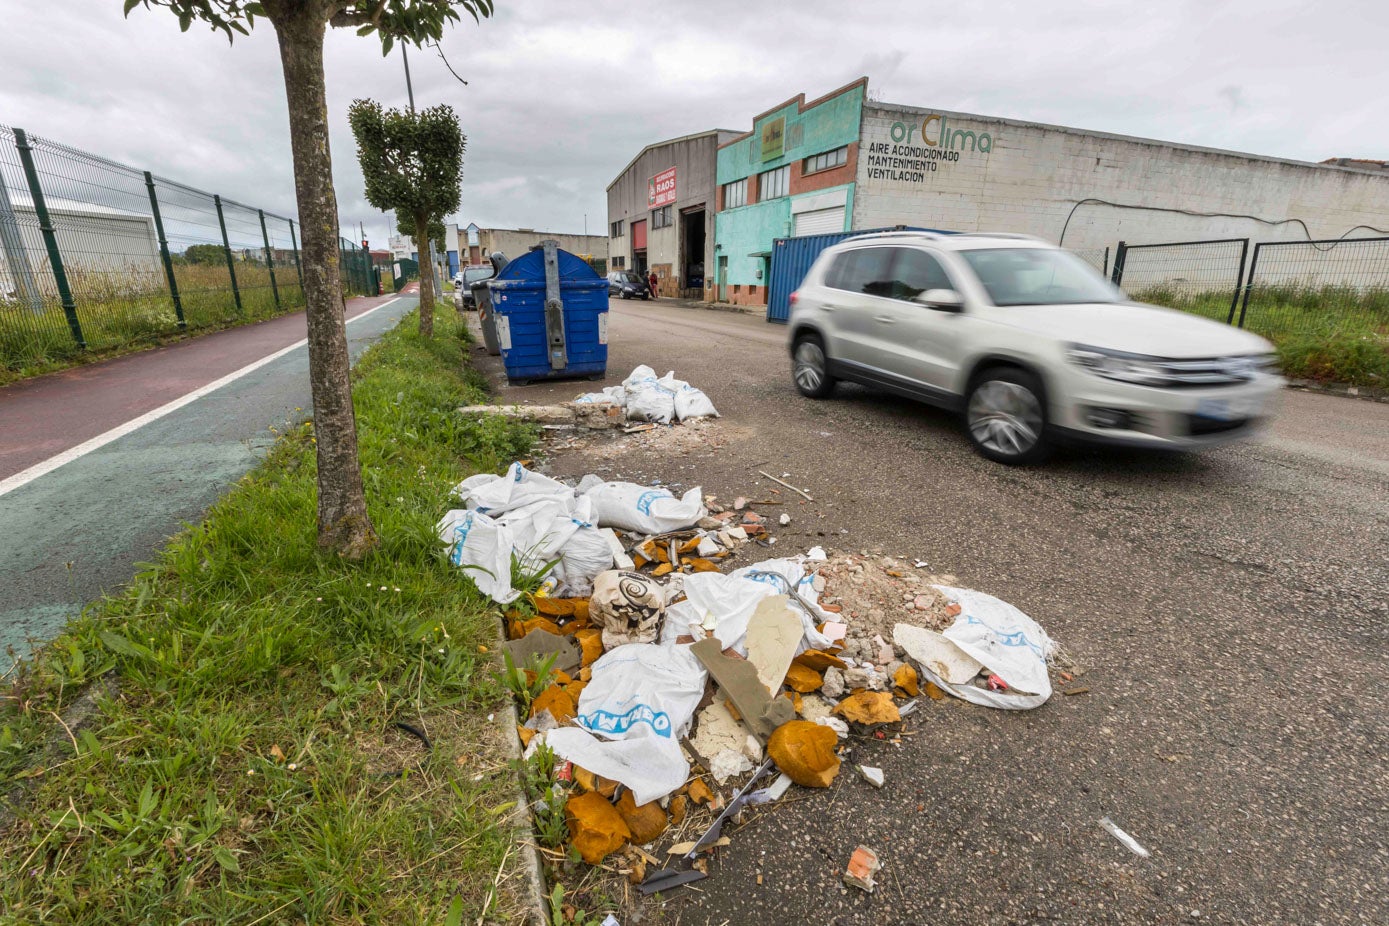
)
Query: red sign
[{"x": 661, "y": 189}]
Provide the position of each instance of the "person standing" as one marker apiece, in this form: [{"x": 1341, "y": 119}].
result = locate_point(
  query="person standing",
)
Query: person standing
[{"x": 652, "y": 281}]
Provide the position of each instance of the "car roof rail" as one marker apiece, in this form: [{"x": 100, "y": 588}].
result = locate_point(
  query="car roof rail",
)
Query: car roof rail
[
  {"x": 935, "y": 236},
  {"x": 1017, "y": 235}
]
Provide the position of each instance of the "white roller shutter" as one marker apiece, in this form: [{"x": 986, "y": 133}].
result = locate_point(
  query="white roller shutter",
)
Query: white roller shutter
[{"x": 820, "y": 221}]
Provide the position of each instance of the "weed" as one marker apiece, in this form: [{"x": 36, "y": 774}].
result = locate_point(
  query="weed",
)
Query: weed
[{"x": 526, "y": 683}]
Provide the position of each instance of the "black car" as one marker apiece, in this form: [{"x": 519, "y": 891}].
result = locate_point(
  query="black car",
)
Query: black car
[
  {"x": 463, "y": 284},
  {"x": 627, "y": 284}
]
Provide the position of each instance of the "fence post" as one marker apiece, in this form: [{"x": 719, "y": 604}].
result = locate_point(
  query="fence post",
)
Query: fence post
[
  {"x": 294, "y": 243},
  {"x": 1249, "y": 283},
  {"x": 1106, "y": 260},
  {"x": 16, "y": 256},
  {"x": 269, "y": 259},
  {"x": 226, "y": 246},
  {"x": 50, "y": 238},
  {"x": 1117, "y": 278},
  {"x": 1239, "y": 283},
  {"x": 164, "y": 251}
]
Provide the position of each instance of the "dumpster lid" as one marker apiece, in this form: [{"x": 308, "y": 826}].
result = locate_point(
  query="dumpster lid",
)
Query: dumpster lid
[{"x": 531, "y": 267}]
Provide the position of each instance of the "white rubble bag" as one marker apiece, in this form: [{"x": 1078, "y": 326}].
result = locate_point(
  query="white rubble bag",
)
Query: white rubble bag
[
  {"x": 1005, "y": 641},
  {"x": 689, "y": 401},
  {"x": 645, "y": 509},
  {"x": 539, "y": 521},
  {"x": 631, "y": 716},
  {"x": 724, "y": 604},
  {"x": 492, "y": 494},
  {"x": 612, "y": 395},
  {"x": 482, "y": 548}
]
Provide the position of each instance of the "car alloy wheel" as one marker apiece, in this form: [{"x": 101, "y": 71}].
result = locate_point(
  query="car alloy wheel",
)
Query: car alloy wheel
[
  {"x": 1005, "y": 418},
  {"x": 811, "y": 370}
]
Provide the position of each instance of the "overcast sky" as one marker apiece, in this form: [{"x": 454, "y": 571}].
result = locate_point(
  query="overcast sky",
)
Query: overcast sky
[{"x": 561, "y": 94}]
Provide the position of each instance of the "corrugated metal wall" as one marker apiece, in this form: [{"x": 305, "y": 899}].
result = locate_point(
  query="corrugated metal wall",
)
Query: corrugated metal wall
[{"x": 792, "y": 257}]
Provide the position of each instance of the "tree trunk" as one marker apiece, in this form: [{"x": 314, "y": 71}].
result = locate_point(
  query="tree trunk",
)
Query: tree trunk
[
  {"x": 343, "y": 524},
  {"x": 427, "y": 292}
]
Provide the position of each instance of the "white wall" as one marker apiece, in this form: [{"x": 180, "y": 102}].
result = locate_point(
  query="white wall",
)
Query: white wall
[{"x": 1034, "y": 175}]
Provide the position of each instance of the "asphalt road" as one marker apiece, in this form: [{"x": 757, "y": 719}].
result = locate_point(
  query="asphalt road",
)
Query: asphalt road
[
  {"x": 1230, "y": 607},
  {"x": 79, "y": 531}
]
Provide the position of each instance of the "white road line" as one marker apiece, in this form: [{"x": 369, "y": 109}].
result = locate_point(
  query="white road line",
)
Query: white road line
[{"x": 24, "y": 477}]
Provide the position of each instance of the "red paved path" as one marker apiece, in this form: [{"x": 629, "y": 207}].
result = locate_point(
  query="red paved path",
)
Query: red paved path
[{"x": 49, "y": 414}]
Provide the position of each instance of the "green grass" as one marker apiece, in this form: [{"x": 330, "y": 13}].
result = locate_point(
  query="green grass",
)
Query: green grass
[
  {"x": 124, "y": 311},
  {"x": 1324, "y": 333},
  {"x": 246, "y": 767}
]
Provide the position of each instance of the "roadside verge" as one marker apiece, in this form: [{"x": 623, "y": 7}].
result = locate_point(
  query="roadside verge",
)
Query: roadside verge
[{"x": 293, "y": 736}]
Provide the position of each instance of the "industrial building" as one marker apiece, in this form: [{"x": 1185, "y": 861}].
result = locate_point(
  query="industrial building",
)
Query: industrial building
[
  {"x": 473, "y": 244},
  {"x": 842, "y": 162},
  {"x": 661, "y": 213}
]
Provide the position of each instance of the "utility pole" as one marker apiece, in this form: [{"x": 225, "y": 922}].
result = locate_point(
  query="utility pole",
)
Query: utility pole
[{"x": 409, "y": 88}]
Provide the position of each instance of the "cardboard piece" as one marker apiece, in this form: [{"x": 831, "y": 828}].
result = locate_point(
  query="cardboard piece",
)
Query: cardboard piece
[{"x": 739, "y": 681}]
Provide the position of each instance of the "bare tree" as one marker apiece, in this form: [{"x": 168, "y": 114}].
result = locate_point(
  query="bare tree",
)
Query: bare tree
[{"x": 300, "y": 26}]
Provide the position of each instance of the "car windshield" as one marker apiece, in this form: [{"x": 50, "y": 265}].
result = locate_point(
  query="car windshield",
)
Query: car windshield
[
  {"x": 479, "y": 273},
  {"x": 1039, "y": 276}
]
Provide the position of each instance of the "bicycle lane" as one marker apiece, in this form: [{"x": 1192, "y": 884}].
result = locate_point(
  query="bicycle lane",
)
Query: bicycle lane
[{"x": 99, "y": 466}]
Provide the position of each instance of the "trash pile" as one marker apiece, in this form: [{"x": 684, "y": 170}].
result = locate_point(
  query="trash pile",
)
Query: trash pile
[
  {"x": 665, "y": 670},
  {"x": 643, "y": 397}
]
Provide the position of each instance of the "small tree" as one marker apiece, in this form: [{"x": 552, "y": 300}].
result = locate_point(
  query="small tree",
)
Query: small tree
[
  {"x": 299, "y": 26},
  {"x": 412, "y": 163},
  {"x": 205, "y": 254}
]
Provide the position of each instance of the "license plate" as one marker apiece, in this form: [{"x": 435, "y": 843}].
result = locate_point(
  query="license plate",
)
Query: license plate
[{"x": 1227, "y": 409}]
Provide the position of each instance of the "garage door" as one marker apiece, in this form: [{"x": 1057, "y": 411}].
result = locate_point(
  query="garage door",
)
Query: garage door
[{"x": 820, "y": 221}]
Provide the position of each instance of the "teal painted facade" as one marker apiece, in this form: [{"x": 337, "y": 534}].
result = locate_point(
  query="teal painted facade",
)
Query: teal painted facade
[{"x": 743, "y": 234}]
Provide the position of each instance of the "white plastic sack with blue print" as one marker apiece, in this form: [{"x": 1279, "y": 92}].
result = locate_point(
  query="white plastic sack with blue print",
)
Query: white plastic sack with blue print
[
  {"x": 1004, "y": 640},
  {"x": 631, "y": 715},
  {"x": 560, "y": 532},
  {"x": 724, "y": 604},
  {"x": 690, "y": 402},
  {"x": 482, "y": 548},
  {"x": 493, "y": 495},
  {"x": 645, "y": 509}
]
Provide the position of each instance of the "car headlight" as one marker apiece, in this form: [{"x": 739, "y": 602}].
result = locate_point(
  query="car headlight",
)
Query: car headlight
[{"x": 1121, "y": 366}]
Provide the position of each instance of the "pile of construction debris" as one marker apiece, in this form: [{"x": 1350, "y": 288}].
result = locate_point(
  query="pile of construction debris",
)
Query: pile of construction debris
[
  {"x": 642, "y": 401},
  {"x": 669, "y": 669}
]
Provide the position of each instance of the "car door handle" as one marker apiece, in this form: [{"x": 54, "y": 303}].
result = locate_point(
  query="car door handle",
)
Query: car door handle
[
  {"x": 885, "y": 319},
  {"x": 830, "y": 308}
]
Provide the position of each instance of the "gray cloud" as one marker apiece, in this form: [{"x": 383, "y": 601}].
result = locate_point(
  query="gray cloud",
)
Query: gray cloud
[{"x": 562, "y": 95}]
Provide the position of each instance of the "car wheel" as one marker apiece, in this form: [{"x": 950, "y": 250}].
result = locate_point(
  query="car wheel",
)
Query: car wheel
[
  {"x": 1006, "y": 415},
  {"x": 810, "y": 368}
]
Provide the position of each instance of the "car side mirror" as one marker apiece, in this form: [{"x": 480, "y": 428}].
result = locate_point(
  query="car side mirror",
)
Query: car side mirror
[{"x": 942, "y": 300}]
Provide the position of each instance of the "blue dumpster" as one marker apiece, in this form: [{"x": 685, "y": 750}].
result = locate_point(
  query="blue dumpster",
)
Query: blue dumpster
[{"x": 551, "y": 313}]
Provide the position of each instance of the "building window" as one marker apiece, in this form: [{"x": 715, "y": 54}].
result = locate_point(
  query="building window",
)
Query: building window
[
  {"x": 827, "y": 161},
  {"x": 660, "y": 218},
  {"x": 619, "y": 262},
  {"x": 617, "y": 229},
  {"x": 774, "y": 183},
  {"x": 735, "y": 194}
]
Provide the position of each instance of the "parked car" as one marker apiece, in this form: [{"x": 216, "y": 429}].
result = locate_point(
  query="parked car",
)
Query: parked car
[
  {"x": 1027, "y": 341},
  {"x": 463, "y": 284},
  {"x": 627, "y": 284}
]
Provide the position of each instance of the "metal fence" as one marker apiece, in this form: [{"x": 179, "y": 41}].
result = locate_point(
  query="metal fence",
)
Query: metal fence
[
  {"x": 1095, "y": 257},
  {"x": 1202, "y": 277},
  {"x": 1284, "y": 290},
  {"x": 96, "y": 254},
  {"x": 1318, "y": 289}
]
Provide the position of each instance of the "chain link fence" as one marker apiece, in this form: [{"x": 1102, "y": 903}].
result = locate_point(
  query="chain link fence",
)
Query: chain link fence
[{"x": 95, "y": 255}]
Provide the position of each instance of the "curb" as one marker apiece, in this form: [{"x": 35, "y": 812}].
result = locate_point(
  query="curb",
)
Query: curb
[
  {"x": 535, "y": 871},
  {"x": 1366, "y": 393}
]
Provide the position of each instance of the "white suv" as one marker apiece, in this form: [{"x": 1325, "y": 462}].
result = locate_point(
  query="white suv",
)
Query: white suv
[{"x": 1028, "y": 341}]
